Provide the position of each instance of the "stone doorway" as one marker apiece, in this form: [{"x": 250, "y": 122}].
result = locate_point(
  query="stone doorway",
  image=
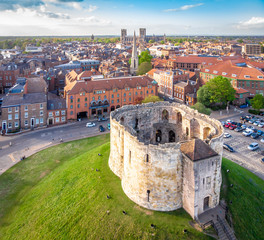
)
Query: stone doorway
[
  {"x": 171, "y": 136},
  {"x": 206, "y": 203},
  {"x": 158, "y": 136}
]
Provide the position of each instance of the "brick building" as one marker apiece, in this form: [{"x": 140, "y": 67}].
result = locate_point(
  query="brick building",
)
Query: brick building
[
  {"x": 241, "y": 74},
  {"x": 99, "y": 97},
  {"x": 8, "y": 77},
  {"x": 185, "y": 91}
]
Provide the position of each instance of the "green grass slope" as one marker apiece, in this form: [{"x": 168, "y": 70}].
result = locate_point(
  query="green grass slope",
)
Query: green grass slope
[
  {"x": 58, "y": 194},
  {"x": 247, "y": 197}
]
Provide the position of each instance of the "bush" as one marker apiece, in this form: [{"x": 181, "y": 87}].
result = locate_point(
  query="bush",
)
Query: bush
[
  {"x": 201, "y": 108},
  {"x": 253, "y": 111}
]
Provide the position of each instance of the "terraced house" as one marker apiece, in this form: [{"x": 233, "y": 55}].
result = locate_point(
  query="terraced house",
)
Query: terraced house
[{"x": 100, "y": 96}]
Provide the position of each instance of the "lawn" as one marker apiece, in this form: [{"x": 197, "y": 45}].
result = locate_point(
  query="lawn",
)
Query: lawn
[
  {"x": 247, "y": 197},
  {"x": 58, "y": 194}
]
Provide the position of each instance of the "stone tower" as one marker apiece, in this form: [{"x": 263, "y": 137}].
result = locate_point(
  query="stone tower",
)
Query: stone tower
[
  {"x": 134, "y": 59},
  {"x": 123, "y": 35},
  {"x": 142, "y": 34}
]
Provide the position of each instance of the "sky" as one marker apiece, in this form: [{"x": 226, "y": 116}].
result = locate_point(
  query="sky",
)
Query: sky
[{"x": 107, "y": 17}]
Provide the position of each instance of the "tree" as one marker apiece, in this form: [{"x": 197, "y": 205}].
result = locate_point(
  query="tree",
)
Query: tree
[
  {"x": 162, "y": 42},
  {"x": 204, "y": 96},
  {"x": 151, "y": 41},
  {"x": 138, "y": 100},
  {"x": 144, "y": 68},
  {"x": 201, "y": 108},
  {"x": 152, "y": 98},
  {"x": 257, "y": 102},
  {"x": 144, "y": 57}
]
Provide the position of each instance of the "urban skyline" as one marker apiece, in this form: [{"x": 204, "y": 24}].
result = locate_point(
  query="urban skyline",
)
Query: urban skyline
[{"x": 81, "y": 17}]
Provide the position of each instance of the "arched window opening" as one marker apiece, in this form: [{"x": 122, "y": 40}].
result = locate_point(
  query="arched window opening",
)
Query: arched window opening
[
  {"x": 179, "y": 117},
  {"x": 147, "y": 158},
  {"x": 118, "y": 106},
  {"x": 165, "y": 115},
  {"x": 122, "y": 120},
  {"x": 148, "y": 192},
  {"x": 158, "y": 136},
  {"x": 171, "y": 136},
  {"x": 112, "y": 108},
  {"x": 206, "y": 132},
  {"x": 187, "y": 131},
  {"x": 136, "y": 123},
  {"x": 129, "y": 157}
]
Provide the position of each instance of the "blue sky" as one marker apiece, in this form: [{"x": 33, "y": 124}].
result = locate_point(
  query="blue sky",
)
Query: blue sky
[{"x": 101, "y": 17}]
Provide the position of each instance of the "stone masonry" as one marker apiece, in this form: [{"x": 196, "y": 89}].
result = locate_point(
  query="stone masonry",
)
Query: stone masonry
[{"x": 168, "y": 156}]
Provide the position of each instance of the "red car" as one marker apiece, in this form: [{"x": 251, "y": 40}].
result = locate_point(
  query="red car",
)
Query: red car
[
  {"x": 232, "y": 126},
  {"x": 227, "y": 125}
]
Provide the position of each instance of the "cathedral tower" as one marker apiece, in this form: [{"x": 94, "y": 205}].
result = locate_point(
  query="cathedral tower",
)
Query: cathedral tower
[{"x": 134, "y": 59}]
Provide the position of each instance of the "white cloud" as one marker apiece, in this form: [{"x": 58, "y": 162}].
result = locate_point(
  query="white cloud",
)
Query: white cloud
[
  {"x": 254, "y": 22},
  {"x": 92, "y": 20},
  {"x": 183, "y": 8},
  {"x": 91, "y": 8}
]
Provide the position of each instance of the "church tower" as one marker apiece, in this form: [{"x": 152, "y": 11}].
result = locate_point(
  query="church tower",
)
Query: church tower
[{"x": 134, "y": 59}]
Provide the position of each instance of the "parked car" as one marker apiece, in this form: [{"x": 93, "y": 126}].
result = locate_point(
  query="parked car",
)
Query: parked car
[
  {"x": 101, "y": 119},
  {"x": 259, "y": 132},
  {"x": 261, "y": 114},
  {"x": 227, "y": 135},
  {"x": 232, "y": 126},
  {"x": 262, "y": 140},
  {"x": 243, "y": 106},
  {"x": 253, "y": 146},
  {"x": 242, "y": 117},
  {"x": 108, "y": 126},
  {"x": 262, "y": 160},
  {"x": 238, "y": 129},
  {"x": 247, "y": 133},
  {"x": 228, "y": 148},
  {"x": 254, "y": 135},
  {"x": 244, "y": 126},
  {"x": 89, "y": 124},
  {"x": 251, "y": 121},
  {"x": 261, "y": 125},
  {"x": 101, "y": 128},
  {"x": 249, "y": 116},
  {"x": 223, "y": 123},
  {"x": 249, "y": 128},
  {"x": 227, "y": 125},
  {"x": 228, "y": 121},
  {"x": 239, "y": 124},
  {"x": 256, "y": 123}
]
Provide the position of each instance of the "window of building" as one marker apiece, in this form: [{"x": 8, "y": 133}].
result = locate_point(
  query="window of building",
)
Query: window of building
[
  {"x": 26, "y": 107},
  {"x": 248, "y": 83},
  {"x": 63, "y": 112},
  {"x": 41, "y": 113},
  {"x": 26, "y": 115},
  {"x": 117, "y": 95},
  {"x": 136, "y": 93},
  {"x": 16, "y": 124},
  {"x": 71, "y": 106},
  {"x": 117, "y": 100},
  {"x": 57, "y": 113},
  {"x": 57, "y": 119},
  {"x": 141, "y": 93},
  {"x": 124, "y": 94},
  {"x": 10, "y": 125},
  {"x": 130, "y": 99},
  {"x": 71, "y": 100},
  {"x": 26, "y": 122},
  {"x": 16, "y": 116},
  {"x": 10, "y": 110},
  {"x": 71, "y": 113},
  {"x": 252, "y": 84},
  {"x": 41, "y": 120},
  {"x": 9, "y": 116},
  {"x": 151, "y": 91},
  {"x": 78, "y": 106},
  {"x": 85, "y": 99},
  {"x": 78, "y": 99},
  {"x": 41, "y": 106},
  {"x": 63, "y": 119},
  {"x": 85, "y": 104},
  {"x": 112, "y": 101},
  {"x": 37, "y": 121},
  {"x": 16, "y": 109},
  {"x": 124, "y": 99}
]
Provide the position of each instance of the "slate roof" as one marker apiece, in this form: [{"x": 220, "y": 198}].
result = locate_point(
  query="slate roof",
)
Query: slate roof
[
  {"x": 55, "y": 102},
  {"x": 196, "y": 149},
  {"x": 16, "y": 100}
]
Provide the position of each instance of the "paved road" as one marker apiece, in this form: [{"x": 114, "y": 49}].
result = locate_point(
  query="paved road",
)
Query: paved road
[{"x": 29, "y": 143}]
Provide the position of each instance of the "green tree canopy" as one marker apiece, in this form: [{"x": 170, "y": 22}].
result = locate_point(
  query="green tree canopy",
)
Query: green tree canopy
[
  {"x": 216, "y": 90},
  {"x": 152, "y": 98},
  {"x": 201, "y": 108},
  {"x": 144, "y": 68},
  {"x": 151, "y": 41},
  {"x": 203, "y": 96},
  {"x": 257, "y": 102},
  {"x": 144, "y": 57}
]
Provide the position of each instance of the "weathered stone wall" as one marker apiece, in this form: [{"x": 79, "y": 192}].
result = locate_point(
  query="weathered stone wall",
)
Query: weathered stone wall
[{"x": 156, "y": 175}]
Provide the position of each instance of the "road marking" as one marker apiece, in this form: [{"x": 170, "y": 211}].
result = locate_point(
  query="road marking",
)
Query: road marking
[
  {"x": 12, "y": 157},
  {"x": 5, "y": 146}
]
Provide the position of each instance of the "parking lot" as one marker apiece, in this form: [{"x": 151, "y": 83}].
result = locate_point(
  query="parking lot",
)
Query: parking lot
[{"x": 242, "y": 155}]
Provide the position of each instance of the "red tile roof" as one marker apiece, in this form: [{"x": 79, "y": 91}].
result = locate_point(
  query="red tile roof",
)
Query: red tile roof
[
  {"x": 109, "y": 84},
  {"x": 241, "y": 90},
  {"x": 230, "y": 70}
]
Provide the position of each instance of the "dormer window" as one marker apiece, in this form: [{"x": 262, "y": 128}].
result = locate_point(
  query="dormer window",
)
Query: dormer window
[
  {"x": 224, "y": 73},
  {"x": 260, "y": 77},
  {"x": 207, "y": 70},
  {"x": 246, "y": 76},
  {"x": 234, "y": 75},
  {"x": 215, "y": 72}
]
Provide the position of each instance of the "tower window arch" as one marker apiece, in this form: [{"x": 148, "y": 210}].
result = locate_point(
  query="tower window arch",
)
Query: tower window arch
[{"x": 165, "y": 115}]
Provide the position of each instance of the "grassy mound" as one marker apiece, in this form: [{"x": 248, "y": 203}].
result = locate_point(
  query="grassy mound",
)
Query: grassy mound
[
  {"x": 58, "y": 194},
  {"x": 245, "y": 200}
]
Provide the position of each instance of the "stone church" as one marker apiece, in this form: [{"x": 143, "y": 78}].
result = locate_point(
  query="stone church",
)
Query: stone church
[{"x": 168, "y": 156}]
